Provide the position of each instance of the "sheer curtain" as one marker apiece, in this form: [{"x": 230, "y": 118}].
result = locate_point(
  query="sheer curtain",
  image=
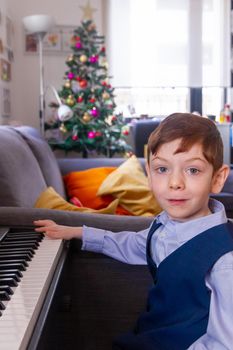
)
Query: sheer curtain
[{"x": 158, "y": 49}]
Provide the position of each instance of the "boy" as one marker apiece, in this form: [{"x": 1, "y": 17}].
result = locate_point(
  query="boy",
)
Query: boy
[{"x": 188, "y": 247}]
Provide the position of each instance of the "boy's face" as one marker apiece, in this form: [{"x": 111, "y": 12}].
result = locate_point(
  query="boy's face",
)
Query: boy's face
[{"x": 182, "y": 182}]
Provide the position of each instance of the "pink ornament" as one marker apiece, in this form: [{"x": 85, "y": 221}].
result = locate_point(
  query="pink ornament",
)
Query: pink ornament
[
  {"x": 75, "y": 137},
  {"x": 94, "y": 112},
  {"x": 91, "y": 135},
  {"x": 93, "y": 58},
  {"x": 78, "y": 45},
  {"x": 70, "y": 75}
]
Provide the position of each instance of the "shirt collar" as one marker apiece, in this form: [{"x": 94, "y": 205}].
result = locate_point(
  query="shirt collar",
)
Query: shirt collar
[{"x": 187, "y": 230}]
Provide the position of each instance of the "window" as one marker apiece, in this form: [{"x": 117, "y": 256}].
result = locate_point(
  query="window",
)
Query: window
[{"x": 158, "y": 49}]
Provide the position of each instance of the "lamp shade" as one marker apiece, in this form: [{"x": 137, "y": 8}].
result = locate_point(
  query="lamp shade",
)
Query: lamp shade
[{"x": 38, "y": 23}]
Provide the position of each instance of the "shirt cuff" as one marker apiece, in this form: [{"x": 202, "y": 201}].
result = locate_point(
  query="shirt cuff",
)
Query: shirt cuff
[{"x": 93, "y": 239}]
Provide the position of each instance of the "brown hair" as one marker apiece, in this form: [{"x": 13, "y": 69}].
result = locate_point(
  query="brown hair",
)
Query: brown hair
[{"x": 191, "y": 129}]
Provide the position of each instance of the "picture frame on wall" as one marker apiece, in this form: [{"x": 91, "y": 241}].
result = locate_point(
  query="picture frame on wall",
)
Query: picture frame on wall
[
  {"x": 5, "y": 70},
  {"x": 5, "y": 101},
  {"x": 9, "y": 32},
  {"x": 67, "y": 38},
  {"x": 1, "y": 46},
  {"x": 58, "y": 40},
  {"x": 30, "y": 43},
  {"x": 53, "y": 40}
]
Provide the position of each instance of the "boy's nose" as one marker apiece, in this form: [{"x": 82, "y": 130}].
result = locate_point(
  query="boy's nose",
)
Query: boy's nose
[{"x": 176, "y": 182}]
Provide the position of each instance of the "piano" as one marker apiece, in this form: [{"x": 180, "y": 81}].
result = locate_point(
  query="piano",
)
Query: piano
[
  {"x": 56, "y": 296},
  {"x": 30, "y": 268}
]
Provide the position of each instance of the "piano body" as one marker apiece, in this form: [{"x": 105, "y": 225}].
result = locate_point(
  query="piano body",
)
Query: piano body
[{"x": 55, "y": 296}]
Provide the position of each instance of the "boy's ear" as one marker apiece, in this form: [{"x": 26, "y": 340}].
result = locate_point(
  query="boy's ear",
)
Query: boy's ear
[{"x": 219, "y": 178}]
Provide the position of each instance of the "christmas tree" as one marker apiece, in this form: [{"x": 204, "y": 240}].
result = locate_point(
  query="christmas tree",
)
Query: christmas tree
[{"x": 87, "y": 91}]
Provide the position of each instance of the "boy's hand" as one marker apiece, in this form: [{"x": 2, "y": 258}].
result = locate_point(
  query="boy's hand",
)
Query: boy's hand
[{"x": 54, "y": 231}]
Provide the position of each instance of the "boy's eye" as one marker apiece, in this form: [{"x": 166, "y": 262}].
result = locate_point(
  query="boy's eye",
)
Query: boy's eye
[
  {"x": 193, "y": 171},
  {"x": 161, "y": 169}
]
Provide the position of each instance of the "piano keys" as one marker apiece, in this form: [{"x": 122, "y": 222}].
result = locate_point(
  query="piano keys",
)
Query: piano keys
[{"x": 28, "y": 263}]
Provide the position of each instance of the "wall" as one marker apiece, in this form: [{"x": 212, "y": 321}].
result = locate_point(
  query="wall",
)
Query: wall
[
  {"x": 25, "y": 70},
  {"x": 5, "y": 85}
]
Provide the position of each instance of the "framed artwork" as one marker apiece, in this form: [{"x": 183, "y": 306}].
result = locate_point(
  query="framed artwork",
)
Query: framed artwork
[
  {"x": 30, "y": 43},
  {"x": 5, "y": 70},
  {"x": 1, "y": 46},
  {"x": 52, "y": 41},
  {"x": 67, "y": 38},
  {"x": 57, "y": 40},
  {"x": 5, "y": 97},
  {"x": 9, "y": 32}
]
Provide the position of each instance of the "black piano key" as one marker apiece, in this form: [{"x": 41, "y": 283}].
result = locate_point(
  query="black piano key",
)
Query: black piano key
[
  {"x": 6, "y": 289},
  {"x": 26, "y": 231},
  {"x": 6, "y": 245},
  {"x": 32, "y": 234},
  {"x": 15, "y": 256},
  {"x": 28, "y": 241},
  {"x": 3, "y": 232},
  {"x": 8, "y": 281},
  {"x": 10, "y": 275},
  {"x": 4, "y": 296},
  {"x": 16, "y": 272},
  {"x": 4, "y": 249},
  {"x": 28, "y": 251},
  {"x": 14, "y": 261},
  {"x": 2, "y": 305},
  {"x": 16, "y": 238},
  {"x": 8, "y": 266}
]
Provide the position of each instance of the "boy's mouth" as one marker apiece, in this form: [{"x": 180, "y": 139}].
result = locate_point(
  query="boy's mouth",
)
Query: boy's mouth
[{"x": 177, "y": 201}]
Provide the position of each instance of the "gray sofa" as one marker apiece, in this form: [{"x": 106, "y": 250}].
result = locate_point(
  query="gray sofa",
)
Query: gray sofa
[
  {"x": 28, "y": 166},
  {"x": 97, "y": 297}
]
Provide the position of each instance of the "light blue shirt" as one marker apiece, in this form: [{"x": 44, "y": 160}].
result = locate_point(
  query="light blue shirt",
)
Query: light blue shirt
[{"x": 130, "y": 247}]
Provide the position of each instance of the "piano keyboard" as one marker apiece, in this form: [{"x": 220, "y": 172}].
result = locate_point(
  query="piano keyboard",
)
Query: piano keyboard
[{"x": 27, "y": 264}]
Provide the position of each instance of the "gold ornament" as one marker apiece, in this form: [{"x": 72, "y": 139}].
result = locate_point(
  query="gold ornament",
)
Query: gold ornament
[
  {"x": 83, "y": 58},
  {"x": 63, "y": 128},
  {"x": 105, "y": 95},
  {"x": 67, "y": 84},
  {"x": 70, "y": 58},
  {"x": 86, "y": 117},
  {"x": 70, "y": 100}
]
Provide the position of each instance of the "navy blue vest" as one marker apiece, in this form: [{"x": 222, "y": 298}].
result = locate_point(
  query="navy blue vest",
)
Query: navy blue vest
[{"x": 178, "y": 303}]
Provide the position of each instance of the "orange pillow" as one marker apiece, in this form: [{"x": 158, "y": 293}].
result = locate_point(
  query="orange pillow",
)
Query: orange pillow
[{"x": 85, "y": 184}]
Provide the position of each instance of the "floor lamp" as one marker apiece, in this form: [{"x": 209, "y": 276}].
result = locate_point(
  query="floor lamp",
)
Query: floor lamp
[{"x": 39, "y": 25}]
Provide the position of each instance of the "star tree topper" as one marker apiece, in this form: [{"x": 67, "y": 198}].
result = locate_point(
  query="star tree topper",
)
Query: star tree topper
[{"x": 88, "y": 11}]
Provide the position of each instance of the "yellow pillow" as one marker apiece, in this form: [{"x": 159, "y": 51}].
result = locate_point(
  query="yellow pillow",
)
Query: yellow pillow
[
  {"x": 129, "y": 184},
  {"x": 50, "y": 199}
]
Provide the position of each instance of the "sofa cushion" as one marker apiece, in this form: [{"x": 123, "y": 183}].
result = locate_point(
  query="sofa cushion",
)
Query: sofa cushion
[
  {"x": 50, "y": 199},
  {"x": 21, "y": 179},
  {"x": 129, "y": 184},
  {"x": 45, "y": 157},
  {"x": 85, "y": 184}
]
